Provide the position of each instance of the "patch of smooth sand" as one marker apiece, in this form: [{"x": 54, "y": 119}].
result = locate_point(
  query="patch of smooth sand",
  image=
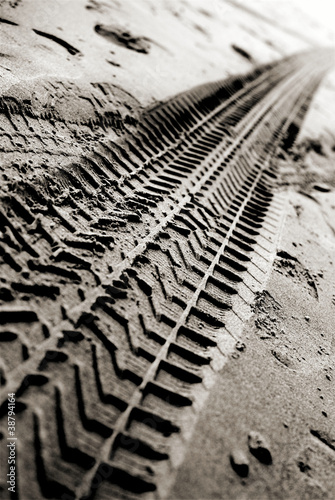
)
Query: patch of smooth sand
[{"x": 187, "y": 43}]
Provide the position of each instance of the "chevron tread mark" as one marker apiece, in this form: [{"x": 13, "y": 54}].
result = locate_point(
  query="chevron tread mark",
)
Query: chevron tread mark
[{"x": 129, "y": 267}]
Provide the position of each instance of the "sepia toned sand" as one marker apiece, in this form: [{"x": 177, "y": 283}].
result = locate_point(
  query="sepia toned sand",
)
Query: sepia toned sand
[{"x": 280, "y": 383}]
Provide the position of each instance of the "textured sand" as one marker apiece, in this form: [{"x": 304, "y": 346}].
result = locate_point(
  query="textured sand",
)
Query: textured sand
[{"x": 280, "y": 383}]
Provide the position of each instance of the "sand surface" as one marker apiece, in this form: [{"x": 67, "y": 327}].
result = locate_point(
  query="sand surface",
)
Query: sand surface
[{"x": 280, "y": 382}]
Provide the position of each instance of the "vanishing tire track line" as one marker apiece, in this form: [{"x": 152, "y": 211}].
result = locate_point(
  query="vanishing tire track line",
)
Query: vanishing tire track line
[{"x": 221, "y": 226}]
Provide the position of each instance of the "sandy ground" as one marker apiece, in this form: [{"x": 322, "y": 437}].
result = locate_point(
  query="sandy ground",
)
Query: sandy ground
[{"x": 281, "y": 384}]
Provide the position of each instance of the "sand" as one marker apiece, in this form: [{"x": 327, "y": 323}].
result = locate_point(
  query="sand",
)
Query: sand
[{"x": 279, "y": 384}]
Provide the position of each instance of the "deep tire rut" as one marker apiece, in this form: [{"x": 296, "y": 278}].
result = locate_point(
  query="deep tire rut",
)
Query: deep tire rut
[{"x": 129, "y": 271}]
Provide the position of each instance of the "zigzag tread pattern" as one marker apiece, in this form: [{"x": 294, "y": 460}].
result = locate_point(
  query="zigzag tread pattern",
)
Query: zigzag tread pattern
[{"x": 129, "y": 270}]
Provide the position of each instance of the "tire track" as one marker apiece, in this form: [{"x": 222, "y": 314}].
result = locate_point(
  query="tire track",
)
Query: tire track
[{"x": 112, "y": 384}]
